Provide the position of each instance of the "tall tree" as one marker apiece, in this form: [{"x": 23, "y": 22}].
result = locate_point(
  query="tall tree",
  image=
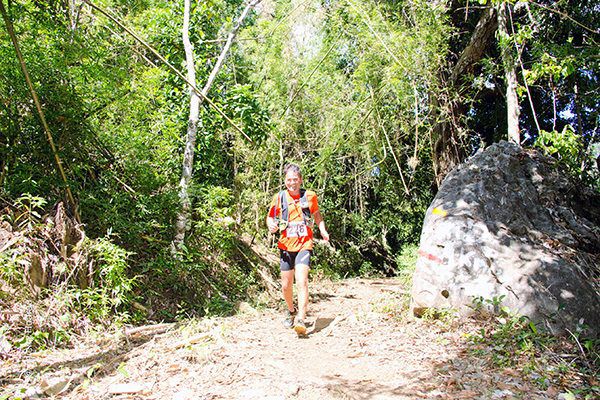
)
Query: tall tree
[
  {"x": 450, "y": 138},
  {"x": 183, "y": 217},
  {"x": 512, "y": 100},
  {"x": 192, "y": 129},
  {"x": 40, "y": 111}
]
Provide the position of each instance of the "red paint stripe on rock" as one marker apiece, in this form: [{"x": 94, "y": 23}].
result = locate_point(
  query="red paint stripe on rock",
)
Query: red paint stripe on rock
[{"x": 429, "y": 256}]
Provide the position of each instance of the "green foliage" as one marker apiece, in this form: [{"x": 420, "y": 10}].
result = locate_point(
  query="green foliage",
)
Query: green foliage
[
  {"x": 407, "y": 258},
  {"x": 367, "y": 270},
  {"x": 353, "y": 104},
  {"x": 114, "y": 284},
  {"x": 338, "y": 264},
  {"x": 35, "y": 340},
  {"x": 245, "y": 107},
  {"x": 86, "y": 284},
  {"x": 11, "y": 270},
  {"x": 550, "y": 67},
  {"x": 493, "y": 305},
  {"x": 205, "y": 277},
  {"x": 197, "y": 282},
  {"x": 406, "y": 262},
  {"x": 512, "y": 340},
  {"x": 556, "y": 64},
  {"x": 119, "y": 119},
  {"x": 213, "y": 218},
  {"x": 443, "y": 317},
  {"x": 25, "y": 213},
  {"x": 567, "y": 147},
  {"x": 513, "y": 337},
  {"x": 347, "y": 106}
]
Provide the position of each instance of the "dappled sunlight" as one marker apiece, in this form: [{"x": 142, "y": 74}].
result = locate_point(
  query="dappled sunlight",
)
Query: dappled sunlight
[{"x": 497, "y": 239}]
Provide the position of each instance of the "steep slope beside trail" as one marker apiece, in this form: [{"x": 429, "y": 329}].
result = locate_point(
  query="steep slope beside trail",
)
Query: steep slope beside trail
[{"x": 355, "y": 349}]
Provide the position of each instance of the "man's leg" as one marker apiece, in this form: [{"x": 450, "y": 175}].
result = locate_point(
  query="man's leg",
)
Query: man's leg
[
  {"x": 286, "y": 265},
  {"x": 287, "y": 288},
  {"x": 302, "y": 267},
  {"x": 302, "y": 288}
]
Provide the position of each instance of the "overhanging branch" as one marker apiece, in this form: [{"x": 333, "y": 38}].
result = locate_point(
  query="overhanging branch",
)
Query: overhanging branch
[{"x": 168, "y": 64}]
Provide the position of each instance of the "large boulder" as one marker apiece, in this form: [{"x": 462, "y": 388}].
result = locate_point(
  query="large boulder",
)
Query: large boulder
[{"x": 509, "y": 224}]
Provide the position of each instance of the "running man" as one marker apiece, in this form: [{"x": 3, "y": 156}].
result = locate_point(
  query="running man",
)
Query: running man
[{"x": 292, "y": 212}]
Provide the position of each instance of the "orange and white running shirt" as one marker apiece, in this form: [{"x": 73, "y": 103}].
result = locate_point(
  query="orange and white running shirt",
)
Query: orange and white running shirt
[{"x": 295, "y": 237}]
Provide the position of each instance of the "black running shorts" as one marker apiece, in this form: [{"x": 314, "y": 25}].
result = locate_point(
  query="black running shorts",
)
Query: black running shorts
[{"x": 289, "y": 259}]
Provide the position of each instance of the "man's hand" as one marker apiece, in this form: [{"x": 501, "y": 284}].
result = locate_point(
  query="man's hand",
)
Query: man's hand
[
  {"x": 272, "y": 225},
  {"x": 321, "y": 224}
]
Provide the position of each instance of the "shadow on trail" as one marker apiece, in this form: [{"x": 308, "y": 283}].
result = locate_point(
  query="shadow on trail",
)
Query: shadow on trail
[
  {"x": 367, "y": 389},
  {"x": 320, "y": 324},
  {"x": 318, "y": 297},
  {"x": 99, "y": 364}
]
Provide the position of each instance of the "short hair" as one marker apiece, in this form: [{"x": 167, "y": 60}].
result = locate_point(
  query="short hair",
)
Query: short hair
[{"x": 293, "y": 168}]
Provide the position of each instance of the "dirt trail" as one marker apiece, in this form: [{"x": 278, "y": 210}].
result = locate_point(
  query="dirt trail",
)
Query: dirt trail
[{"x": 354, "y": 350}]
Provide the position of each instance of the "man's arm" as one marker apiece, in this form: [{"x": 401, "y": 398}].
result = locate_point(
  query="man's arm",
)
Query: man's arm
[
  {"x": 321, "y": 224},
  {"x": 272, "y": 224}
]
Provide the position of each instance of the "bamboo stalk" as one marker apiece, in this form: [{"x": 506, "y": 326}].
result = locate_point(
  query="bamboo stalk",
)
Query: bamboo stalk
[{"x": 38, "y": 106}]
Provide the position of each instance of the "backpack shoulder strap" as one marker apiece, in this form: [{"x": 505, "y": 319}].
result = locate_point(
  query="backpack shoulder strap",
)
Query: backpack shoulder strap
[
  {"x": 284, "y": 205},
  {"x": 304, "y": 204}
]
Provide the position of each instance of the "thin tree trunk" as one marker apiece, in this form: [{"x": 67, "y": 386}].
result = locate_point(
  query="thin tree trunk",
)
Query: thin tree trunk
[
  {"x": 577, "y": 110},
  {"x": 182, "y": 224},
  {"x": 168, "y": 64},
  {"x": 448, "y": 149},
  {"x": 3, "y": 169},
  {"x": 183, "y": 218},
  {"x": 519, "y": 50},
  {"x": 512, "y": 100},
  {"x": 225, "y": 51},
  {"x": 387, "y": 138},
  {"x": 470, "y": 56}
]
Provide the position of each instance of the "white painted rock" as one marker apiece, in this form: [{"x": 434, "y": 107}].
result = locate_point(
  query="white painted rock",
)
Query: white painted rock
[{"x": 509, "y": 224}]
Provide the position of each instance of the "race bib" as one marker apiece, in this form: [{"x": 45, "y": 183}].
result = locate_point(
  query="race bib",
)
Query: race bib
[{"x": 296, "y": 229}]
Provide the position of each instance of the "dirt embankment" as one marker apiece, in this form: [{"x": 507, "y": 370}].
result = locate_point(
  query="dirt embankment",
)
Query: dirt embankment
[{"x": 358, "y": 347}]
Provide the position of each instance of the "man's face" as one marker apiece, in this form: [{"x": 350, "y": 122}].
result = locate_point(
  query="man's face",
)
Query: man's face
[{"x": 293, "y": 181}]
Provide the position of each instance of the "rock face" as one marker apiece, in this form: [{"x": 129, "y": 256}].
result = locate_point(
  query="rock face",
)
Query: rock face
[{"x": 508, "y": 224}]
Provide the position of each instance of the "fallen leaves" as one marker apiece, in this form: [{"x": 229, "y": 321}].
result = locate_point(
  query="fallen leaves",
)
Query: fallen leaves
[
  {"x": 127, "y": 388},
  {"x": 356, "y": 347}
]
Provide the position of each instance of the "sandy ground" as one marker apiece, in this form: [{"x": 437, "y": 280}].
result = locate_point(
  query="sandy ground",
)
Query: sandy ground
[{"x": 358, "y": 347}]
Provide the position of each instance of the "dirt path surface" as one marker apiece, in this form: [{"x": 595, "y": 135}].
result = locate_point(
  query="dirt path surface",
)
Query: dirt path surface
[{"x": 355, "y": 349}]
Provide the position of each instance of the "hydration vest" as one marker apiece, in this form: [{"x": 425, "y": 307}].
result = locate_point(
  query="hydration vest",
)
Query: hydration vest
[{"x": 285, "y": 212}]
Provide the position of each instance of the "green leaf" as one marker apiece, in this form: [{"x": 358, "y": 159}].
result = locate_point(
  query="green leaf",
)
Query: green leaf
[{"x": 568, "y": 395}]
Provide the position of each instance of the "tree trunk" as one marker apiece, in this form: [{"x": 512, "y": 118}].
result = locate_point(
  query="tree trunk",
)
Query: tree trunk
[
  {"x": 182, "y": 224},
  {"x": 227, "y": 45},
  {"x": 449, "y": 148},
  {"x": 484, "y": 31},
  {"x": 512, "y": 101},
  {"x": 183, "y": 219}
]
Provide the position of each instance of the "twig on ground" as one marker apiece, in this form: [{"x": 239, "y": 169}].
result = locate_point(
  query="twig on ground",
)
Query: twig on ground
[{"x": 149, "y": 329}]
